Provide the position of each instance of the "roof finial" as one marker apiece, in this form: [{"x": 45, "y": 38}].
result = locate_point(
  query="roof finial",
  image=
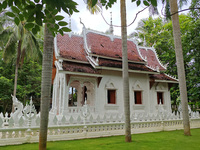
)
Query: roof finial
[
  {"x": 111, "y": 26},
  {"x": 70, "y": 22},
  {"x": 82, "y": 23}
]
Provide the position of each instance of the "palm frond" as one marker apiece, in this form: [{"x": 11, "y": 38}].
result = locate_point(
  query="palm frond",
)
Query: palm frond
[
  {"x": 31, "y": 47},
  {"x": 38, "y": 52},
  {"x": 93, "y": 9},
  {"x": 4, "y": 36},
  {"x": 10, "y": 48},
  {"x": 19, "y": 31}
]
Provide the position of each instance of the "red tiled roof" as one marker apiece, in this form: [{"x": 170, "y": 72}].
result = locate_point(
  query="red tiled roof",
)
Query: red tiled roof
[
  {"x": 77, "y": 67},
  {"x": 162, "y": 76},
  {"x": 104, "y": 46},
  {"x": 71, "y": 47},
  {"x": 118, "y": 64},
  {"x": 151, "y": 58}
]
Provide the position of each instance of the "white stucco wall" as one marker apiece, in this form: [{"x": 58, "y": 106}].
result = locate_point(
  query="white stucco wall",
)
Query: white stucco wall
[{"x": 97, "y": 95}]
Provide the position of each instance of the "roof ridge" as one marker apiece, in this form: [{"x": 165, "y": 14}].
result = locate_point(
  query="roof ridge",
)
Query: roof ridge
[
  {"x": 173, "y": 77},
  {"x": 154, "y": 51}
]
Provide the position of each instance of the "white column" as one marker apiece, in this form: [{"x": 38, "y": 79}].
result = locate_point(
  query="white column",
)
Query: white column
[{"x": 60, "y": 94}]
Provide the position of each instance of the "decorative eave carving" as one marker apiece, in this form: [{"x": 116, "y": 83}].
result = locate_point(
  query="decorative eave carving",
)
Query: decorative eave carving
[
  {"x": 84, "y": 32},
  {"x": 56, "y": 48},
  {"x": 58, "y": 64}
]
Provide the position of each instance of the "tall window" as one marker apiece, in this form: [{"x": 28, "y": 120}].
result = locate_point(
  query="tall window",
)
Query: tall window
[
  {"x": 138, "y": 97},
  {"x": 72, "y": 96},
  {"x": 160, "y": 97},
  {"x": 111, "y": 96},
  {"x": 84, "y": 95}
]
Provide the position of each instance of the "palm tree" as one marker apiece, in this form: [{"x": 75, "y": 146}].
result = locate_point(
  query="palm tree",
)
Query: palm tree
[
  {"x": 171, "y": 7},
  {"x": 46, "y": 86},
  {"x": 125, "y": 75},
  {"x": 21, "y": 43},
  {"x": 180, "y": 65},
  {"x": 124, "y": 62}
]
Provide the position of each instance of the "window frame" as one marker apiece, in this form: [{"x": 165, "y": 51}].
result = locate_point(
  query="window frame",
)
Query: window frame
[
  {"x": 112, "y": 102},
  {"x": 141, "y": 97},
  {"x": 158, "y": 98}
]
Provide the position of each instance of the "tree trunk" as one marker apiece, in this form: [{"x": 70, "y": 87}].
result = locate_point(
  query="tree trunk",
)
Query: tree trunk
[
  {"x": 125, "y": 72},
  {"x": 45, "y": 87},
  {"x": 180, "y": 66},
  {"x": 16, "y": 70},
  {"x": 17, "y": 66}
]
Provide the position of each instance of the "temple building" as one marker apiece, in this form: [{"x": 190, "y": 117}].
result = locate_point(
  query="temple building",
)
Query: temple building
[{"x": 88, "y": 67}]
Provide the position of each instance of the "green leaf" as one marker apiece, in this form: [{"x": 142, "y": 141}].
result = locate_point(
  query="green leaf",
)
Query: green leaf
[
  {"x": 146, "y": 3},
  {"x": 38, "y": 18},
  {"x": 94, "y": 2},
  {"x": 56, "y": 26},
  {"x": 29, "y": 25},
  {"x": 59, "y": 17},
  {"x": 76, "y": 10},
  {"x": 65, "y": 29},
  {"x": 39, "y": 7},
  {"x": 10, "y": 2},
  {"x": 62, "y": 23},
  {"x": 37, "y": 28},
  {"x": 21, "y": 17},
  {"x": 34, "y": 31},
  {"x": 10, "y": 14},
  {"x": 54, "y": 12},
  {"x": 30, "y": 7},
  {"x": 46, "y": 12},
  {"x": 61, "y": 32},
  {"x": 16, "y": 20},
  {"x": 30, "y": 19},
  {"x": 4, "y": 5},
  {"x": 138, "y": 2},
  {"x": 15, "y": 9},
  {"x": 154, "y": 2},
  {"x": 37, "y": 1}
]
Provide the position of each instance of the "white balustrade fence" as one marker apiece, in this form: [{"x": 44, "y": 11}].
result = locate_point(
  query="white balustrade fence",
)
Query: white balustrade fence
[
  {"x": 10, "y": 136},
  {"x": 23, "y": 125}
]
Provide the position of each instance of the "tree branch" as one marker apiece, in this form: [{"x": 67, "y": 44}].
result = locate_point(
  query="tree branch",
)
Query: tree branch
[
  {"x": 130, "y": 23},
  {"x": 184, "y": 10}
]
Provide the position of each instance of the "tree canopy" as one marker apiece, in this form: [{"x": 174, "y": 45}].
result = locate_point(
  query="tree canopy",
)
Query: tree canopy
[{"x": 158, "y": 33}]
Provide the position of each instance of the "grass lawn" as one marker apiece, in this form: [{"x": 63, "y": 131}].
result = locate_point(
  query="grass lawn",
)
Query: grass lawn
[{"x": 171, "y": 140}]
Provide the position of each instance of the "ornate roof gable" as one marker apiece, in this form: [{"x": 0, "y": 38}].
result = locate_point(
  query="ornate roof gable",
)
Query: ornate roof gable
[{"x": 150, "y": 55}]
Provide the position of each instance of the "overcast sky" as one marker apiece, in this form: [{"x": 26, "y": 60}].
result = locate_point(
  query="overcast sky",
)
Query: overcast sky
[{"x": 96, "y": 22}]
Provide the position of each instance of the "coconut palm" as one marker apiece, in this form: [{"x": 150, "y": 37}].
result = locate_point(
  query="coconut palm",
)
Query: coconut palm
[
  {"x": 171, "y": 7},
  {"x": 21, "y": 43},
  {"x": 125, "y": 75},
  {"x": 46, "y": 86},
  {"x": 180, "y": 65}
]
